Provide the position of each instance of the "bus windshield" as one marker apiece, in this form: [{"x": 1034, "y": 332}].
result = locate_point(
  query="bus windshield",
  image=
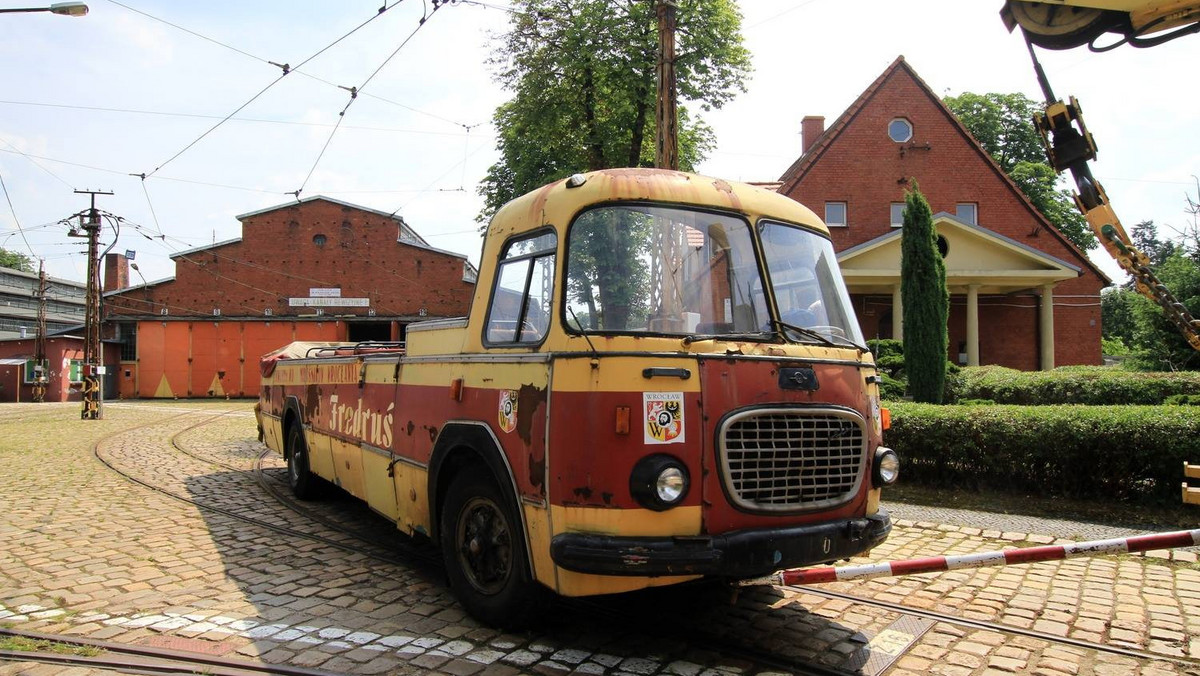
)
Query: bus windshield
[
  {"x": 634, "y": 268},
  {"x": 807, "y": 283}
]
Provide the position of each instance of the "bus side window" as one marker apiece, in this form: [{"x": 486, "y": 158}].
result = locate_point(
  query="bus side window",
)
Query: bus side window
[{"x": 524, "y": 291}]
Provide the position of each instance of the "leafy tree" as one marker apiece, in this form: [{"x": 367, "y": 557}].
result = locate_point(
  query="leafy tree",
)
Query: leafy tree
[
  {"x": 1145, "y": 237},
  {"x": 1116, "y": 314},
  {"x": 1159, "y": 344},
  {"x": 583, "y": 78},
  {"x": 16, "y": 260},
  {"x": 1038, "y": 180},
  {"x": 925, "y": 299},
  {"x": 1003, "y": 125}
]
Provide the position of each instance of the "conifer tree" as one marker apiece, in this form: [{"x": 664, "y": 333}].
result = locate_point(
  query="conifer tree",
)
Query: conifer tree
[{"x": 926, "y": 301}]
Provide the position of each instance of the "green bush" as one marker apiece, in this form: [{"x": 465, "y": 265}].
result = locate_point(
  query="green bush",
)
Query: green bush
[
  {"x": 891, "y": 388},
  {"x": 1095, "y": 385},
  {"x": 1183, "y": 400},
  {"x": 1129, "y": 453}
]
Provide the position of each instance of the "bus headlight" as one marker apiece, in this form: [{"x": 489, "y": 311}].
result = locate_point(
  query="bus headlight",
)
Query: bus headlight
[
  {"x": 887, "y": 466},
  {"x": 659, "y": 482}
]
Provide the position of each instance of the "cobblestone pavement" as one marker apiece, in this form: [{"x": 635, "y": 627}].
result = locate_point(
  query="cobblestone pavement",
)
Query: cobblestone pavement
[
  {"x": 85, "y": 551},
  {"x": 1074, "y": 530}
]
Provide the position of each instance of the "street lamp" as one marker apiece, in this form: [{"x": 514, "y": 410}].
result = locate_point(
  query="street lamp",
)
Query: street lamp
[{"x": 63, "y": 8}]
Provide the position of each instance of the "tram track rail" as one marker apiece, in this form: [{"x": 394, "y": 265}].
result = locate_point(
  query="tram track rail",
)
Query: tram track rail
[
  {"x": 283, "y": 530},
  {"x": 132, "y": 658},
  {"x": 762, "y": 658},
  {"x": 272, "y": 487},
  {"x": 998, "y": 627}
]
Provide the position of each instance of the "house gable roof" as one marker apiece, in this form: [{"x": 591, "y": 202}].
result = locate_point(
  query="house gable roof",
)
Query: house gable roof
[{"x": 792, "y": 177}]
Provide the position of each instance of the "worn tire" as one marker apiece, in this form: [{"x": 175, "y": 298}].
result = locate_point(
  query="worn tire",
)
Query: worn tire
[
  {"x": 301, "y": 480},
  {"x": 483, "y": 547}
]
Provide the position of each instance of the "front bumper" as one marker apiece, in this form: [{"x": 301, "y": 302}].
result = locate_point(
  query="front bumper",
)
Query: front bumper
[{"x": 741, "y": 554}]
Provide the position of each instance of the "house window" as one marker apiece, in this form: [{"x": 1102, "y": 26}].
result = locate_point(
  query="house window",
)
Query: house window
[
  {"x": 835, "y": 214},
  {"x": 900, "y": 130},
  {"x": 966, "y": 212},
  {"x": 319, "y": 239},
  {"x": 897, "y": 214}
]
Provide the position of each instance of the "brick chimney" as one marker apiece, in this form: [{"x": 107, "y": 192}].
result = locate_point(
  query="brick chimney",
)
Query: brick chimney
[
  {"x": 116, "y": 272},
  {"x": 811, "y": 128}
]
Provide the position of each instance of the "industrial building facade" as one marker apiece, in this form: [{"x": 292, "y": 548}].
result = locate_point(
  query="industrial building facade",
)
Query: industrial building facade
[{"x": 316, "y": 270}]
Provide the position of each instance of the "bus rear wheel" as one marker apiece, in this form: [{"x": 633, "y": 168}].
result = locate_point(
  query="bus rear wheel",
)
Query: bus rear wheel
[
  {"x": 484, "y": 551},
  {"x": 300, "y": 477}
]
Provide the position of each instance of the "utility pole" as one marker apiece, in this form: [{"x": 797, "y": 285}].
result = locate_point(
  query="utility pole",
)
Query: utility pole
[
  {"x": 39, "y": 342},
  {"x": 667, "y": 150},
  {"x": 93, "y": 358}
]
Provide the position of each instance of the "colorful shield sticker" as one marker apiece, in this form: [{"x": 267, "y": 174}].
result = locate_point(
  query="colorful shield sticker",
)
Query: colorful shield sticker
[
  {"x": 508, "y": 410},
  {"x": 663, "y": 417}
]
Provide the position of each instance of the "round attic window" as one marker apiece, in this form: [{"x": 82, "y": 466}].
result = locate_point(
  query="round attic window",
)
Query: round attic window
[{"x": 900, "y": 130}]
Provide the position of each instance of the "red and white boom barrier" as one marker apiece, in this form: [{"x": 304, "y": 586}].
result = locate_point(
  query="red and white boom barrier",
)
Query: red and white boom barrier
[{"x": 933, "y": 564}]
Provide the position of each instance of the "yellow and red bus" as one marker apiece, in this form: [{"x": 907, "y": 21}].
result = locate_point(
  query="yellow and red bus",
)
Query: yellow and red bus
[{"x": 661, "y": 378}]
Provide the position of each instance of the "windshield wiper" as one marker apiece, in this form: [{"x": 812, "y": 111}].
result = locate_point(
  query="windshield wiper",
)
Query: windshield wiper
[
  {"x": 827, "y": 340},
  {"x": 688, "y": 340}
]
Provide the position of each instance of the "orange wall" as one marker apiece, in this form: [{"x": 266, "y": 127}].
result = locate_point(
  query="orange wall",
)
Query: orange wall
[{"x": 210, "y": 358}]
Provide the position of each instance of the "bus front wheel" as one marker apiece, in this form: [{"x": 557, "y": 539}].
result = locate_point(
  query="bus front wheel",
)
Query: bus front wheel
[{"x": 484, "y": 551}]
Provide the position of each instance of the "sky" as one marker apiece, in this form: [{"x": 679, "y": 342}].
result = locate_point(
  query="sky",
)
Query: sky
[{"x": 141, "y": 87}]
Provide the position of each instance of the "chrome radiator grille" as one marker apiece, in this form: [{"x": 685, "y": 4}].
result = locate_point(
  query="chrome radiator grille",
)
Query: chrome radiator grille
[{"x": 789, "y": 459}]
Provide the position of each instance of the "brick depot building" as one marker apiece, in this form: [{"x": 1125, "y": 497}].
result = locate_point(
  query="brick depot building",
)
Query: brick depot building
[
  {"x": 1022, "y": 295},
  {"x": 317, "y": 270}
]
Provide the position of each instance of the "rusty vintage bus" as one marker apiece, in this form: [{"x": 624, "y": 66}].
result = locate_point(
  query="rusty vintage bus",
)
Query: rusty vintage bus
[{"x": 661, "y": 378}]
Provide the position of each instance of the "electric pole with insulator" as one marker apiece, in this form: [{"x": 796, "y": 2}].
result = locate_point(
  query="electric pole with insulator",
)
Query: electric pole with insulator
[
  {"x": 93, "y": 358},
  {"x": 40, "y": 374}
]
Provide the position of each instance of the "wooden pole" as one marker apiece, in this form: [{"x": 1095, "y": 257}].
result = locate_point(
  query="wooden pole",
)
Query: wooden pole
[{"x": 667, "y": 150}]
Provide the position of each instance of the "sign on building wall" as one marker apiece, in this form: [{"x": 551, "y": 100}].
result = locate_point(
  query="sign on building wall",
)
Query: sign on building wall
[{"x": 329, "y": 302}]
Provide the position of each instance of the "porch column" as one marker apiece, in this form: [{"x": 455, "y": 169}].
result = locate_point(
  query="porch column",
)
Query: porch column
[
  {"x": 897, "y": 314},
  {"x": 972, "y": 325},
  {"x": 1046, "y": 327}
]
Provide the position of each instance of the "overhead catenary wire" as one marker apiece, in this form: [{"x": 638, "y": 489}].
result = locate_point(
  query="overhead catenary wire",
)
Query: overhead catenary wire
[
  {"x": 17, "y": 221},
  {"x": 254, "y": 120},
  {"x": 293, "y": 69},
  {"x": 429, "y": 188},
  {"x": 354, "y": 91},
  {"x": 226, "y": 186},
  {"x": 32, "y": 160},
  {"x": 286, "y": 69}
]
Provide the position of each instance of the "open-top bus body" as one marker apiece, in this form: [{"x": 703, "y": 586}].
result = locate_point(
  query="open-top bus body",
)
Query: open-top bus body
[{"x": 661, "y": 377}]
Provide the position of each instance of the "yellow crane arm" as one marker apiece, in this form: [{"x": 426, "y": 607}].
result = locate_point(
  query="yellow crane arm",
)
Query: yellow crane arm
[{"x": 1070, "y": 147}]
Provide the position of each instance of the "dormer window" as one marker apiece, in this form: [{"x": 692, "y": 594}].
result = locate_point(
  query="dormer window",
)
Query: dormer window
[{"x": 900, "y": 130}]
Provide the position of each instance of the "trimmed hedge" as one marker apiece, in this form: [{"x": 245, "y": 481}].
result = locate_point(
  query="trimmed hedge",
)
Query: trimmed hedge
[
  {"x": 1096, "y": 385},
  {"x": 1128, "y": 453}
]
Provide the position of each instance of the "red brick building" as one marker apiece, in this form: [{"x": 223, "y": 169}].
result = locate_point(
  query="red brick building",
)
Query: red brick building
[
  {"x": 64, "y": 359},
  {"x": 317, "y": 269},
  {"x": 1022, "y": 295}
]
